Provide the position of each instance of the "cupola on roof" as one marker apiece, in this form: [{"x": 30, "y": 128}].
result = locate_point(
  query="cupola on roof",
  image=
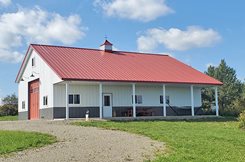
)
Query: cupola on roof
[{"x": 106, "y": 46}]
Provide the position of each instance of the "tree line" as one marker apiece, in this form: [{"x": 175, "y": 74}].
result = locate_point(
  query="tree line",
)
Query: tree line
[{"x": 231, "y": 93}]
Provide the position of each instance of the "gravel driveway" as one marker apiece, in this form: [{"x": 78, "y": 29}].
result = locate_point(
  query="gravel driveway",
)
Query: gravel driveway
[{"x": 83, "y": 144}]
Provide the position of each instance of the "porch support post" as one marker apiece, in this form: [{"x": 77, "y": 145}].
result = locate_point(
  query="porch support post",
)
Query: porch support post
[
  {"x": 134, "y": 106},
  {"x": 67, "y": 100},
  {"x": 192, "y": 102},
  {"x": 100, "y": 99},
  {"x": 216, "y": 101},
  {"x": 164, "y": 99}
]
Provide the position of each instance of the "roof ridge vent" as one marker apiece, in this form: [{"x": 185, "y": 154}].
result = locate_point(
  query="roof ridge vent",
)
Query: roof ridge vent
[{"x": 106, "y": 46}]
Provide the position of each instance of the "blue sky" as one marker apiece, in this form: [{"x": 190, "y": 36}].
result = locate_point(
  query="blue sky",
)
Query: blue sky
[{"x": 199, "y": 33}]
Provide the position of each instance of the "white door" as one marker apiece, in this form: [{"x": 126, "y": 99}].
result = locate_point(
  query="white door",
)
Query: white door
[{"x": 107, "y": 105}]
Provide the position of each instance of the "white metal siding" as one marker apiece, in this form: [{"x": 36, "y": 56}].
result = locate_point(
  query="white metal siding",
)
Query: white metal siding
[
  {"x": 46, "y": 76},
  {"x": 89, "y": 95},
  {"x": 181, "y": 96},
  {"x": 122, "y": 95},
  {"x": 22, "y": 95},
  {"x": 150, "y": 95}
]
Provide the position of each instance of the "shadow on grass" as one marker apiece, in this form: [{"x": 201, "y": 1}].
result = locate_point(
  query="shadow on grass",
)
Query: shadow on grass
[
  {"x": 223, "y": 119},
  {"x": 205, "y": 119}
]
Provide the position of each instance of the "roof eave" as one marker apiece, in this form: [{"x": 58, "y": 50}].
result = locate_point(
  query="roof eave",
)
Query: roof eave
[
  {"x": 141, "y": 81},
  {"x": 23, "y": 64}
]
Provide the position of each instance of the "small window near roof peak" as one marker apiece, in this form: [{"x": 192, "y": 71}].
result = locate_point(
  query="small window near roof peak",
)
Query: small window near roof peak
[{"x": 33, "y": 61}]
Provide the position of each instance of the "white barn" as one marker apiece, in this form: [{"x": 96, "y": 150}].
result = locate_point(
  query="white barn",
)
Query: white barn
[{"x": 66, "y": 82}]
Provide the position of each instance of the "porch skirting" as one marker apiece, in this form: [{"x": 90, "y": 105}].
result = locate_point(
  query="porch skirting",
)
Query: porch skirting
[
  {"x": 140, "y": 111},
  {"x": 46, "y": 113},
  {"x": 127, "y": 111},
  {"x": 153, "y": 111},
  {"x": 75, "y": 112}
]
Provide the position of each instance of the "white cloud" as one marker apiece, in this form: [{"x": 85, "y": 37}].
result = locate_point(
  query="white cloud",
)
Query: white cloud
[
  {"x": 10, "y": 56},
  {"x": 5, "y": 2},
  {"x": 35, "y": 26},
  {"x": 177, "y": 39},
  {"x": 142, "y": 10}
]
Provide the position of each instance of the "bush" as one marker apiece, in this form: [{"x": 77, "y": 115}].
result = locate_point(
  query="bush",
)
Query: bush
[
  {"x": 10, "y": 105},
  {"x": 242, "y": 120},
  {"x": 6, "y": 110}
]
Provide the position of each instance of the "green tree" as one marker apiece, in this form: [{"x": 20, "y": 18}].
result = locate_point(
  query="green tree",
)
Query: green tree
[
  {"x": 239, "y": 103},
  {"x": 10, "y": 105},
  {"x": 229, "y": 92}
]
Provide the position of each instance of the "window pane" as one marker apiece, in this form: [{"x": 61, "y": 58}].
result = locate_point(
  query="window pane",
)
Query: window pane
[
  {"x": 43, "y": 100},
  {"x": 161, "y": 99},
  {"x": 46, "y": 100},
  {"x": 107, "y": 101},
  {"x": 33, "y": 61},
  {"x": 76, "y": 99},
  {"x": 23, "y": 104},
  {"x": 167, "y": 100},
  {"x": 70, "y": 99},
  {"x": 139, "y": 99}
]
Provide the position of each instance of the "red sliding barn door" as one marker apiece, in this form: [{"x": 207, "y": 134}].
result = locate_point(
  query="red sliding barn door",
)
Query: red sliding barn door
[{"x": 34, "y": 100}]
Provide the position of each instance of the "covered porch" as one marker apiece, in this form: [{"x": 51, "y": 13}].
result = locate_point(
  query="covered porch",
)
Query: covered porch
[{"x": 130, "y": 100}]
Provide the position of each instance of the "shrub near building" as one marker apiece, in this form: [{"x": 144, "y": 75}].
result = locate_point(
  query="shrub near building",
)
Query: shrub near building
[
  {"x": 242, "y": 120},
  {"x": 9, "y": 105}
]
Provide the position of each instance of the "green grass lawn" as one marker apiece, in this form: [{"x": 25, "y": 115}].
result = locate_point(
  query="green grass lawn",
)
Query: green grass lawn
[
  {"x": 8, "y": 118},
  {"x": 11, "y": 141},
  {"x": 188, "y": 141}
]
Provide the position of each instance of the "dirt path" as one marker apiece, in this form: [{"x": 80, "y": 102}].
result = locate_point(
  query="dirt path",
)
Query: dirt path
[{"x": 83, "y": 144}]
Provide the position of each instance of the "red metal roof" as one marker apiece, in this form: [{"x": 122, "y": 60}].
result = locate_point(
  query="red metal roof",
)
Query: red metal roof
[{"x": 96, "y": 65}]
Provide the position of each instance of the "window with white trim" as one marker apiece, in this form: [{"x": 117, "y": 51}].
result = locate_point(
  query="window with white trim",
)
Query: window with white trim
[
  {"x": 45, "y": 100},
  {"x": 167, "y": 99},
  {"x": 33, "y": 62},
  {"x": 23, "y": 104},
  {"x": 138, "y": 99},
  {"x": 74, "y": 98}
]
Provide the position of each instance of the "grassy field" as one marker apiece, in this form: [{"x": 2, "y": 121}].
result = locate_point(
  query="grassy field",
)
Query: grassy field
[
  {"x": 11, "y": 141},
  {"x": 8, "y": 118},
  {"x": 188, "y": 141}
]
